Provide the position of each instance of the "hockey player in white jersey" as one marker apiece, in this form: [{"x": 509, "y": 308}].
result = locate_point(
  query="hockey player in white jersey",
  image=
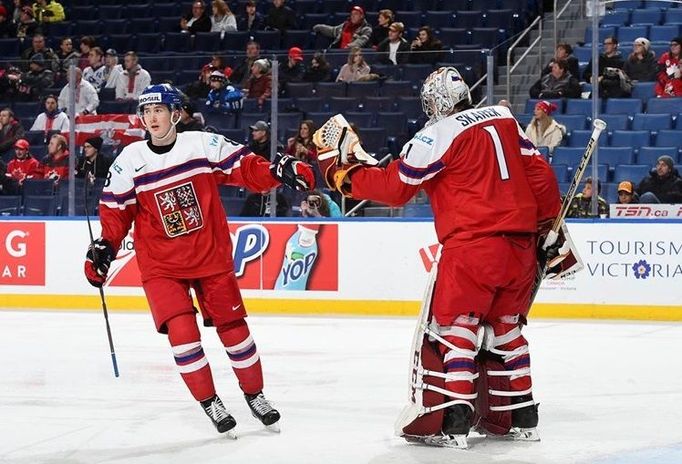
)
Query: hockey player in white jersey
[{"x": 168, "y": 187}]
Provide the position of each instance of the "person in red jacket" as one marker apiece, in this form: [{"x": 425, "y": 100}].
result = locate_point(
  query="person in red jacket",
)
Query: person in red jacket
[
  {"x": 669, "y": 78},
  {"x": 491, "y": 192},
  {"x": 23, "y": 166},
  {"x": 55, "y": 164},
  {"x": 168, "y": 188}
]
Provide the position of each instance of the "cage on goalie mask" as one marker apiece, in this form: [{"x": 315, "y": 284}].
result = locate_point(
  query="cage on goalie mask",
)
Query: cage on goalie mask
[{"x": 442, "y": 91}]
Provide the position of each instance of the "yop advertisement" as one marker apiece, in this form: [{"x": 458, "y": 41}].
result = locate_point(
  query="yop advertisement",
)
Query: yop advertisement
[{"x": 267, "y": 256}]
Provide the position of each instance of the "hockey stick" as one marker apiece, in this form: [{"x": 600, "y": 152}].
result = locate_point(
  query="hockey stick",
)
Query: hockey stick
[
  {"x": 599, "y": 126},
  {"x": 101, "y": 290}
]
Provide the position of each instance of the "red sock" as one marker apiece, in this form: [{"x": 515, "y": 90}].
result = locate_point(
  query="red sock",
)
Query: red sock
[
  {"x": 185, "y": 341},
  {"x": 242, "y": 352}
]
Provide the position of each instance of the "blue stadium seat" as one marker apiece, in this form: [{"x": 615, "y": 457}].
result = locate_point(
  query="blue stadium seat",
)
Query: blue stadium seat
[
  {"x": 643, "y": 90},
  {"x": 629, "y": 5},
  {"x": 397, "y": 89},
  {"x": 465, "y": 19},
  {"x": 238, "y": 135},
  {"x": 207, "y": 41},
  {"x": 360, "y": 89},
  {"x": 10, "y": 205},
  {"x": 319, "y": 118},
  {"x": 128, "y": 42},
  {"x": 627, "y": 35},
  {"x": 268, "y": 40},
  {"x": 571, "y": 121},
  {"x": 634, "y": 139},
  {"x": 40, "y": 205},
  {"x": 93, "y": 27},
  {"x": 614, "y": 156},
  {"x": 394, "y": 122},
  {"x": 342, "y": 104},
  {"x": 297, "y": 38},
  {"x": 602, "y": 171},
  {"x": 423, "y": 5},
  {"x": 561, "y": 172},
  {"x": 300, "y": 89},
  {"x": 579, "y": 138},
  {"x": 82, "y": 13},
  {"x": 359, "y": 119},
  {"x": 165, "y": 23},
  {"x": 150, "y": 43},
  {"x": 393, "y": 5},
  {"x": 309, "y": 104},
  {"x": 664, "y": 105},
  {"x": 487, "y": 37},
  {"x": 451, "y": 36},
  {"x": 615, "y": 18},
  {"x": 246, "y": 120},
  {"x": 623, "y": 106},
  {"x": 374, "y": 104},
  {"x": 578, "y": 106},
  {"x": 169, "y": 8},
  {"x": 646, "y": 16},
  {"x": 177, "y": 42},
  {"x": 330, "y": 89},
  {"x": 373, "y": 138},
  {"x": 649, "y": 121},
  {"x": 567, "y": 155},
  {"x": 615, "y": 122},
  {"x": 411, "y": 106},
  {"x": 673, "y": 16},
  {"x": 221, "y": 121},
  {"x": 145, "y": 10},
  {"x": 409, "y": 18},
  {"x": 500, "y": 19},
  {"x": 663, "y": 33},
  {"x": 309, "y": 20},
  {"x": 416, "y": 72},
  {"x": 631, "y": 172},
  {"x": 304, "y": 7},
  {"x": 417, "y": 210},
  {"x": 609, "y": 191},
  {"x": 144, "y": 25},
  {"x": 649, "y": 155},
  {"x": 604, "y": 32},
  {"x": 678, "y": 121},
  {"x": 115, "y": 26},
  {"x": 668, "y": 138},
  {"x": 286, "y": 121}
]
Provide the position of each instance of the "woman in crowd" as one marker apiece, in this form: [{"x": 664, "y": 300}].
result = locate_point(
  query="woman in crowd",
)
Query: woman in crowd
[
  {"x": 318, "y": 70},
  {"x": 222, "y": 19},
  {"x": 302, "y": 146},
  {"x": 543, "y": 130},
  {"x": 355, "y": 69},
  {"x": 425, "y": 48},
  {"x": 641, "y": 64}
]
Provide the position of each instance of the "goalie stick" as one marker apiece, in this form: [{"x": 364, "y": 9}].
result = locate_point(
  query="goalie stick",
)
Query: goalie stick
[
  {"x": 598, "y": 127},
  {"x": 101, "y": 290}
]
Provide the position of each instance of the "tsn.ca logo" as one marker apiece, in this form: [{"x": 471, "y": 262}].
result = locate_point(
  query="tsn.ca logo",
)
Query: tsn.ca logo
[
  {"x": 151, "y": 98},
  {"x": 646, "y": 211}
]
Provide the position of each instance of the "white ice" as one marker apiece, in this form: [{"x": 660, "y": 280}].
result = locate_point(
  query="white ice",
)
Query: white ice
[{"x": 609, "y": 393}]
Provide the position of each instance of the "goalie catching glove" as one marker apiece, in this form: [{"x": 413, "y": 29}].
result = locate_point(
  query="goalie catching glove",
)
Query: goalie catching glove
[
  {"x": 293, "y": 173},
  {"x": 339, "y": 153},
  {"x": 97, "y": 261},
  {"x": 557, "y": 253}
]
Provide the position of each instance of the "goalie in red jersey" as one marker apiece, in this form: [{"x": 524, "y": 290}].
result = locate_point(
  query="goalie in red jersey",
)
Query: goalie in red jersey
[
  {"x": 491, "y": 194},
  {"x": 168, "y": 187}
]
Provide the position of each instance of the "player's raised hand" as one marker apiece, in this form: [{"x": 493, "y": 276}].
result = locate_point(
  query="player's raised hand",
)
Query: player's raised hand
[
  {"x": 293, "y": 172},
  {"x": 97, "y": 261}
]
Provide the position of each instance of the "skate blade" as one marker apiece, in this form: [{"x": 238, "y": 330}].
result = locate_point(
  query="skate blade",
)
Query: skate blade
[
  {"x": 441, "y": 441},
  {"x": 274, "y": 428},
  {"x": 519, "y": 434},
  {"x": 231, "y": 434}
]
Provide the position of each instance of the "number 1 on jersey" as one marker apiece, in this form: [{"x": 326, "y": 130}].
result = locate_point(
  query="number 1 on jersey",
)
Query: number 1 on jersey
[{"x": 499, "y": 152}]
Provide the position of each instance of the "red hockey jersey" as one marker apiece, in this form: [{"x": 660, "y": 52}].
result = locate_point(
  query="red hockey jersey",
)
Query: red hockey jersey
[
  {"x": 27, "y": 168},
  {"x": 180, "y": 225},
  {"x": 480, "y": 171}
]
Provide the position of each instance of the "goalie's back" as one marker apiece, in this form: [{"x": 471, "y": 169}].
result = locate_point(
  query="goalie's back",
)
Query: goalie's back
[{"x": 482, "y": 174}]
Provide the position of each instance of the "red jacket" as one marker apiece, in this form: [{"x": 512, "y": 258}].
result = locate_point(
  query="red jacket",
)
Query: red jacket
[{"x": 27, "y": 168}]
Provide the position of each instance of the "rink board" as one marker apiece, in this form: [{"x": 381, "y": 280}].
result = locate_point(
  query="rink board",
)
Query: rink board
[{"x": 633, "y": 269}]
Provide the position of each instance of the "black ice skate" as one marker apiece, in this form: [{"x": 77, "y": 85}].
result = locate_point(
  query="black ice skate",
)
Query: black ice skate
[
  {"x": 525, "y": 420},
  {"x": 263, "y": 410},
  {"x": 216, "y": 411},
  {"x": 456, "y": 425}
]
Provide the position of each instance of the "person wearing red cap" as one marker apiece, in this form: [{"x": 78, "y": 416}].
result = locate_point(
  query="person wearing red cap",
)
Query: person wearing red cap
[
  {"x": 354, "y": 32},
  {"x": 23, "y": 166},
  {"x": 292, "y": 70},
  {"x": 543, "y": 130}
]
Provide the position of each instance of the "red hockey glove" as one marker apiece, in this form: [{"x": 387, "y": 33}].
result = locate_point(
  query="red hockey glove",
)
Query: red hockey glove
[
  {"x": 97, "y": 261},
  {"x": 293, "y": 173}
]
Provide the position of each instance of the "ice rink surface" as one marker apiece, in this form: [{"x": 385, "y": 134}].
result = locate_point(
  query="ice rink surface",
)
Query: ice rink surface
[{"x": 609, "y": 393}]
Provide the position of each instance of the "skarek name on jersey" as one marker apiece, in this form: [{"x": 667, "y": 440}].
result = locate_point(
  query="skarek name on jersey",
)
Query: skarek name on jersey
[{"x": 471, "y": 117}]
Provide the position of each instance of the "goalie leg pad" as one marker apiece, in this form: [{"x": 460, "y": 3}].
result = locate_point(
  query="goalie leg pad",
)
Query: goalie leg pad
[
  {"x": 504, "y": 384},
  {"x": 413, "y": 420}
]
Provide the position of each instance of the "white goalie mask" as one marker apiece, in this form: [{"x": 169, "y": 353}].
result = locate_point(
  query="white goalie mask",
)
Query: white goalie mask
[{"x": 442, "y": 91}]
